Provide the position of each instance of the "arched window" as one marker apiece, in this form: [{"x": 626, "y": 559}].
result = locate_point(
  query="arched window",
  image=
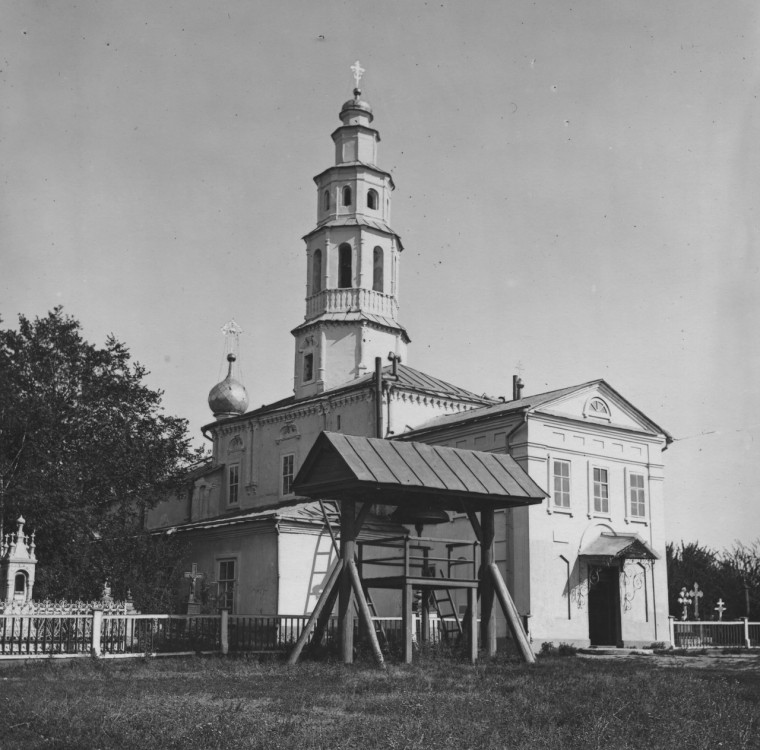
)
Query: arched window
[
  {"x": 326, "y": 200},
  {"x": 372, "y": 199},
  {"x": 344, "y": 266},
  {"x": 20, "y": 583},
  {"x": 377, "y": 269},
  {"x": 347, "y": 195},
  {"x": 316, "y": 272}
]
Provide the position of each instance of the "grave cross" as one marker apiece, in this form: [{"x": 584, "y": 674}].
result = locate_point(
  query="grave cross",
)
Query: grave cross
[
  {"x": 193, "y": 575},
  {"x": 696, "y": 594},
  {"x": 683, "y": 599},
  {"x": 720, "y": 609}
]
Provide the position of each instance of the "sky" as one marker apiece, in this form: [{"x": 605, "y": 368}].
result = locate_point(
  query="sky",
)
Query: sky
[{"x": 577, "y": 191}]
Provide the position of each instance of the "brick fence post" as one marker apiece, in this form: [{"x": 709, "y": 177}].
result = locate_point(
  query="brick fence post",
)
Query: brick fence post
[{"x": 97, "y": 625}]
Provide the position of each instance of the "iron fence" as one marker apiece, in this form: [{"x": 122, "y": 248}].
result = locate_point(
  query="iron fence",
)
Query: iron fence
[
  {"x": 45, "y": 635},
  {"x": 696, "y": 634}
]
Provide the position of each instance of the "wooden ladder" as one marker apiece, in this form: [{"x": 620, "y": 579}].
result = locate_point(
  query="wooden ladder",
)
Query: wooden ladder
[{"x": 447, "y": 610}]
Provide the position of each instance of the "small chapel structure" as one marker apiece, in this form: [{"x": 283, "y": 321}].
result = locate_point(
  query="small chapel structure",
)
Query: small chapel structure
[{"x": 583, "y": 557}]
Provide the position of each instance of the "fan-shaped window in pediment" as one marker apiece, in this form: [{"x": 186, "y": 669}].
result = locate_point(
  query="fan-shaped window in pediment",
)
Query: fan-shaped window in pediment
[{"x": 597, "y": 407}]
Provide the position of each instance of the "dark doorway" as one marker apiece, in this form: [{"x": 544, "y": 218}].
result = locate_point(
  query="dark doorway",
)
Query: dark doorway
[{"x": 604, "y": 606}]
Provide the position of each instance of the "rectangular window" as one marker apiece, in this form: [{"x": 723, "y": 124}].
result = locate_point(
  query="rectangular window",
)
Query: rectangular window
[
  {"x": 233, "y": 483},
  {"x": 638, "y": 500},
  {"x": 601, "y": 491},
  {"x": 308, "y": 367},
  {"x": 226, "y": 584},
  {"x": 287, "y": 474},
  {"x": 562, "y": 484}
]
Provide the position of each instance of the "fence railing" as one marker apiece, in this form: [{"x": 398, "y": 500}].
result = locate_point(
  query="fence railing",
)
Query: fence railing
[
  {"x": 723, "y": 634},
  {"x": 124, "y": 635}
]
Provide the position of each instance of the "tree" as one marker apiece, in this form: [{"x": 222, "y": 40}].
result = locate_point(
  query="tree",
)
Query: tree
[
  {"x": 85, "y": 450},
  {"x": 732, "y": 576}
]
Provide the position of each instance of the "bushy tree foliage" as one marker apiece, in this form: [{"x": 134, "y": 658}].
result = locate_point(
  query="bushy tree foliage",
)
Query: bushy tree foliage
[
  {"x": 733, "y": 576},
  {"x": 85, "y": 449}
]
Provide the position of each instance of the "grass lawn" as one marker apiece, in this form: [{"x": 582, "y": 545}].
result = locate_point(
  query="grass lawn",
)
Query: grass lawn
[{"x": 435, "y": 704}]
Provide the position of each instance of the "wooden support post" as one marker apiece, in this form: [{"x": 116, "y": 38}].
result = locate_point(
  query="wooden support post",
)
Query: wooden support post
[
  {"x": 364, "y": 612},
  {"x": 487, "y": 614},
  {"x": 328, "y": 595},
  {"x": 512, "y": 615},
  {"x": 407, "y": 619},
  {"x": 345, "y": 604},
  {"x": 472, "y": 623}
]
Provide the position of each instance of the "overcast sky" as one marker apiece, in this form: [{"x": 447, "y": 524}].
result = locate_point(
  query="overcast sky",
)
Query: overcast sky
[{"x": 577, "y": 192}]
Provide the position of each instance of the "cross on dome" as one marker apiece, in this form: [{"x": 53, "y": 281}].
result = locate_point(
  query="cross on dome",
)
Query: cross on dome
[{"x": 358, "y": 72}]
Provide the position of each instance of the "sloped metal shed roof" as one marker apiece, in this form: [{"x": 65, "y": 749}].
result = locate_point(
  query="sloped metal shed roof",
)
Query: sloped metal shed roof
[
  {"x": 410, "y": 473},
  {"x": 619, "y": 547}
]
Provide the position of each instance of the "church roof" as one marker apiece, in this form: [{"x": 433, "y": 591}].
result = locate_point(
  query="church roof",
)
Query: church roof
[
  {"x": 523, "y": 405},
  {"x": 353, "y": 316},
  {"x": 357, "y": 221},
  {"x": 414, "y": 380},
  {"x": 407, "y": 379}
]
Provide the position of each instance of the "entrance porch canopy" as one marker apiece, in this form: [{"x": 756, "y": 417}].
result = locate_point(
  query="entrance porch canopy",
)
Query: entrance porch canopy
[
  {"x": 411, "y": 474},
  {"x": 609, "y": 547}
]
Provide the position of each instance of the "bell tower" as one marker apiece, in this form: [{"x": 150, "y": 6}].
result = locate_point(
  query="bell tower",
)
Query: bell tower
[{"x": 352, "y": 262}]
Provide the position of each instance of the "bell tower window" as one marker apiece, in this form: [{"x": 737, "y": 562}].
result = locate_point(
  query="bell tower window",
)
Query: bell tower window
[
  {"x": 347, "y": 195},
  {"x": 326, "y": 200},
  {"x": 344, "y": 266},
  {"x": 316, "y": 272},
  {"x": 308, "y": 367},
  {"x": 372, "y": 199},
  {"x": 377, "y": 269}
]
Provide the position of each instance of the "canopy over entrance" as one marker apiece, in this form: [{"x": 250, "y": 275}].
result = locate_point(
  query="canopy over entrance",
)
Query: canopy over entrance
[
  {"x": 391, "y": 472},
  {"x": 609, "y": 547}
]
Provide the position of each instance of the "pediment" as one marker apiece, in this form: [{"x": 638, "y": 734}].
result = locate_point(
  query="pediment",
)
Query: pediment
[{"x": 599, "y": 404}]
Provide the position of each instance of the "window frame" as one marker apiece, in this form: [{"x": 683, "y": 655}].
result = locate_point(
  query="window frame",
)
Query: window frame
[
  {"x": 563, "y": 478},
  {"x": 308, "y": 368},
  {"x": 347, "y": 195},
  {"x": 233, "y": 487},
  {"x": 641, "y": 501},
  {"x": 593, "y": 497},
  {"x": 373, "y": 199},
  {"x": 287, "y": 489},
  {"x": 226, "y": 587}
]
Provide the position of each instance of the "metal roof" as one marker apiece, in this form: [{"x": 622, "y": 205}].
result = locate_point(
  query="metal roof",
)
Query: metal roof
[
  {"x": 410, "y": 473},
  {"x": 619, "y": 547},
  {"x": 414, "y": 380},
  {"x": 526, "y": 404}
]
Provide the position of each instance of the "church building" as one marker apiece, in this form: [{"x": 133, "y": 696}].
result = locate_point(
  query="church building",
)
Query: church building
[{"x": 587, "y": 565}]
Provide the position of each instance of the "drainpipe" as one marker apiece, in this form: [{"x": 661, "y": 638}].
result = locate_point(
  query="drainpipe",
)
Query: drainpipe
[{"x": 378, "y": 397}]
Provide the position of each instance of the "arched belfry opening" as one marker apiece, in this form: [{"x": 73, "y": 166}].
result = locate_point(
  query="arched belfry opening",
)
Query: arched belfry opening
[{"x": 345, "y": 266}]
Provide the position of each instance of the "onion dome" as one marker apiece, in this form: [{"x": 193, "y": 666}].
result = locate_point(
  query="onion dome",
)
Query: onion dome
[
  {"x": 356, "y": 111},
  {"x": 228, "y": 398}
]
